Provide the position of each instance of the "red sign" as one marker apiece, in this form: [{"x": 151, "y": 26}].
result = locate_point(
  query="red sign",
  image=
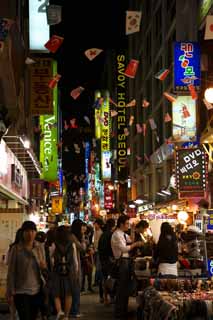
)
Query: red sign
[{"x": 108, "y": 195}]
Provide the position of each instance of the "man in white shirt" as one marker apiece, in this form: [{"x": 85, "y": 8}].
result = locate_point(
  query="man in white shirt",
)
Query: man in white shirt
[{"x": 121, "y": 246}]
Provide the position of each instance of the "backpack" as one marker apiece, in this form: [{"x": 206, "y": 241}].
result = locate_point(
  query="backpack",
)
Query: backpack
[{"x": 63, "y": 259}]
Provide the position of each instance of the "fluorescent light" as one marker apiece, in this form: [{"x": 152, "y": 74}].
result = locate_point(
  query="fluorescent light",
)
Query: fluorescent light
[
  {"x": 132, "y": 206},
  {"x": 138, "y": 201}
]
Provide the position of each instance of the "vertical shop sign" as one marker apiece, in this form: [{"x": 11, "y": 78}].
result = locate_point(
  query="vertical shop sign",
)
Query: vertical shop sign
[
  {"x": 108, "y": 196},
  {"x": 105, "y": 138},
  {"x": 49, "y": 140},
  {"x": 87, "y": 157},
  {"x": 37, "y": 189},
  {"x": 184, "y": 119},
  {"x": 191, "y": 172},
  {"x": 57, "y": 205},
  {"x": 186, "y": 65},
  {"x": 97, "y": 116},
  {"x": 41, "y": 96},
  {"x": 121, "y": 118},
  {"x": 210, "y": 219}
]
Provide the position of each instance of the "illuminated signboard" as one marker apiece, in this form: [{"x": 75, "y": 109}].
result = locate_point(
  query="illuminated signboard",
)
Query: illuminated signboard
[
  {"x": 87, "y": 157},
  {"x": 121, "y": 118},
  {"x": 186, "y": 65},
  {"x": 191, "y": 172},
  {"x": 97, "y": 117},
  {"x": 210, "y": 220},
  {"x": 41, "y": 97},
  {"x": 184, "y": 119},
  {"x": 48, "y": 143},
  {"x": 39, "y": 30},
  {"x": 105, "y": 138},
  {"x": 108, "y": 196}
]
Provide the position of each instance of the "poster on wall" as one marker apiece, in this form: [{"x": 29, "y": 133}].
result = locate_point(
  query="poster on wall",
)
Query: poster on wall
[
  {"x": 184, "y": 119},
  {"x": 186, "y": 66},
  {"x": 191, "y": 172}
]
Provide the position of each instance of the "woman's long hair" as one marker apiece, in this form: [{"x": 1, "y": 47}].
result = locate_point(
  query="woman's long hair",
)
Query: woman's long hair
[
  {"x": 167, "y": 232},
  {"x": 62, "y": 235},
  {"x": 76, "y": 229}
]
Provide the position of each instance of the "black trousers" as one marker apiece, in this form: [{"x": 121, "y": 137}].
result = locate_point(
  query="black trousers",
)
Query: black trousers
[
  {"x": 122, "y": 290},
  {"x": 27, "y": 306}
]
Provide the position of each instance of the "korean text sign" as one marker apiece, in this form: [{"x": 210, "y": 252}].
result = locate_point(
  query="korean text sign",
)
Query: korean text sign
[
  {"x": 105, "y": 138},
  {"x": 191, "y": 172},
  {"x": 186, "y": 65}
]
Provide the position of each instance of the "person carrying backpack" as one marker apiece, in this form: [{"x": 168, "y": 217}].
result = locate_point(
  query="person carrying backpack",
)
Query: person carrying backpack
[{"x": 63, "y": 269}]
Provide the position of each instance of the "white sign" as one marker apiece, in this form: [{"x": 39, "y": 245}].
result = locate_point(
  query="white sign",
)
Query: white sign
[
  {"x": 3, "y": 159},
  {"x": 39, "y": 30},
  {"x": 106, "y": 165}
]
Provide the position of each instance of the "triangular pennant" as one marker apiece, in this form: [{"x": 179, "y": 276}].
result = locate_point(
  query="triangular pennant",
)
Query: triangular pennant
[
  {"x": 92, "y": 53},
  {"x": 114, "y": 113},
  {"x": 54, "y": 81},
  {"x": 145, "y": 103},
  {"x": 132, "y": 103},
  {"x": 193, "y": 92},
  {"x": 162, "y": 74},
  {"x": 29, "y": 61},
  {"x": 167, "y": 117},
  {"x": 133, "y": 21},
  {"x": 209, "y": 28},
  {"x": 75, "y": 93},
  {"x": 131, "y": 68},
  {"x": 170, "y": 96},
  {"x": 53, "y": 14},
  {"x": 54, "y": 43},
  {"x": 131, "y": 120}
]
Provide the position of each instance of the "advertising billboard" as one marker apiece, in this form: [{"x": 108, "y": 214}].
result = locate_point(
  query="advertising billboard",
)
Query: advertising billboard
[
  {"x": 186, "y": 65},
  {"x": 184, "y": 119},
  {"x": 105, "y": 138},
  {"x": 39, "y": 30},
  {"x": 41, "y": 97},
  {"x": 97, "y": 117},
  {"x": 191, "y": 172},
  {"x": 49, "y": 139}
]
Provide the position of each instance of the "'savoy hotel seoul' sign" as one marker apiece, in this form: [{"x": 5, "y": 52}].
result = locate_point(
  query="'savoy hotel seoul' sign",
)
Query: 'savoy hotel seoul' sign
[{"x": 48, "y": 143}]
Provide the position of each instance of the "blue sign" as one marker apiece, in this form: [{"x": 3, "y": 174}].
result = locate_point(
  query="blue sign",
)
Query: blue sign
[
  {"x": 210, "y": 267},
  {"x": 87, "y": 157},
  {"x": 186, "y": 66},
  {"x": 210, "y": 219},
  {"x": 60, "y": 178}
]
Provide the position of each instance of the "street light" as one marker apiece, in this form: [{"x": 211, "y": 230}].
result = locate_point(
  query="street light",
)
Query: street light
[{"x": 208, "y": 94}]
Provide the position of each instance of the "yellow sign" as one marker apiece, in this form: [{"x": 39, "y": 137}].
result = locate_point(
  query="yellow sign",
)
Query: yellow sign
[
  {"x": 97, "y": 117},
  {"x": 105, "y": 124},
  {"x": 57, "y": 205},
  {"x": 41, "y": 96}
]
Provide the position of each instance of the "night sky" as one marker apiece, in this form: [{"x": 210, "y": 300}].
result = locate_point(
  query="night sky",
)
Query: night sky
[{"x": 85, "y": 24}]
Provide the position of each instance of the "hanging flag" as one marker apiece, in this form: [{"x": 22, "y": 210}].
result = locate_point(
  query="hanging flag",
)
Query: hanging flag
[
  {"x": 208, "y": 105},
  {"x": 133, "y": 21},
  {"x": 131, "y": 120},
  {"x": 114, "y": 113},
  {"x": 170, "y": 96},
  {"x": 145, "y": 103},
  {"x": 29, "y": 61},
  {"x": 54, "y": 81},
  {"x": 185, "y": 111},
  {"x": 167, "y": 117},
  {"x": 193, "y": 91},
  {"x": 139, "y": 128},
  {"x": 131, "y": 103},
  {"x": 75, "y": 93},
  {"x": 92, "y": 53},
  {"x": 144, "y": 129},
  {"x": 131, "y": 68},
  {"x": 53, "y": 14},
  {"x": 162, "y": 74},
  {"x": 126, "y": 132},
  {"x": 87, "y": 119},
  {"x": 113, "y": 102},
  {"x": 54, "y": 43},
  {"x": 209, "y": 28},
  {"x": 152, "y": 124}
]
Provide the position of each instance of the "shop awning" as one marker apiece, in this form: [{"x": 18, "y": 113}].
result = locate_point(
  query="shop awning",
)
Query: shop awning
[{"x": 25, "y": 155}]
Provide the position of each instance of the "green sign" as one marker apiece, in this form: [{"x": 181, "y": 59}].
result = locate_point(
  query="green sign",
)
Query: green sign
[
  {"x": 205, "y": 6},
  {"x": 49, "y": 140}
]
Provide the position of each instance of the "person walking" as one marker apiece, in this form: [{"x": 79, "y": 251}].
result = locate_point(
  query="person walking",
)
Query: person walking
[
  {"x": 121, "y": 246},
  {"x": 24, "y": 279}
]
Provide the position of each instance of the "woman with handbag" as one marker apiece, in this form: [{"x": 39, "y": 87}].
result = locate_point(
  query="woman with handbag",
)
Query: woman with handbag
[{"x": 24, "y": 278}]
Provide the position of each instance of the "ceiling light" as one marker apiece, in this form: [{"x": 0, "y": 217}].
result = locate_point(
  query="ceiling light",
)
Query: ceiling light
[
  {"x": 132, "y": 206},
  {"x": 208, "y": 94},
  {"x": 138, "y": 201}
]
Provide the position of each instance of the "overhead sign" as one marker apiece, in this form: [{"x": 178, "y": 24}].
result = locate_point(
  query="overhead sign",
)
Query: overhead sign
[
  {"x": 121, "y": 118},
  {"x": 49, "y": 140},
  {"x": 184, "y": 119},
  {"x": 105, "y": 138},
  {"x": 41, "y": 96},
  {"x": 186, "y": 65},
  {"x": 191, "y": 172},
  {"x": 39, "y": 30}
]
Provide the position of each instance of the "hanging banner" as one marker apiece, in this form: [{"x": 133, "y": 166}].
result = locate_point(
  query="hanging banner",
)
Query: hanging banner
[
  {"x": 41, "y": 96},
  {"x": 184, "y": 119},
  {"x": 191, "y": 172},
  {"x": 57, "y": 205},
  {"x": 121, "y": 117},
  {"x": 108, "y": 195},
  {"x": 186, "y": 66},
  {"x": 49, "y": 140},
  {"x": 105, "y": 138},
  {"x": 97, "y": 117},
  {"x": 37, "y": 189},
  {"x": 87, "y": 157}
]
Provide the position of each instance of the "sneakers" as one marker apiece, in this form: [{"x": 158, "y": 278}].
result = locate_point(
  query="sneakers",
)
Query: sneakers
[
  {"x": 60, "y": 315},
  {"x": 79, "y": 315}
]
